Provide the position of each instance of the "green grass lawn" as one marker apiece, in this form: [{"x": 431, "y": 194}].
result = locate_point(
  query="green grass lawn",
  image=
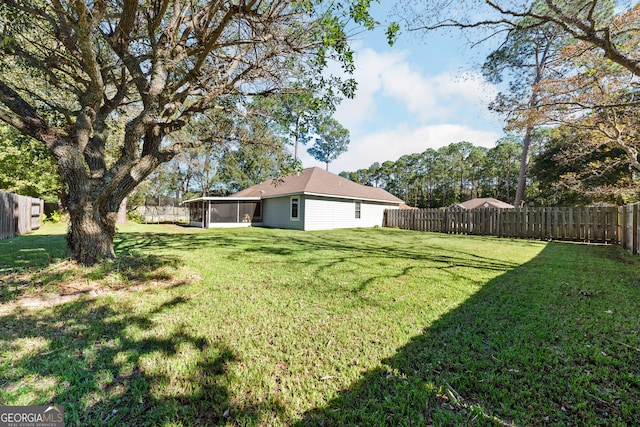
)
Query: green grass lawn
[{"x": 350, "y": 327}]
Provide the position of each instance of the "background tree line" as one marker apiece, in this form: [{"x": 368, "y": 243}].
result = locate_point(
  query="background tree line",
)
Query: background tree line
[{"x": 461, "y": 171}]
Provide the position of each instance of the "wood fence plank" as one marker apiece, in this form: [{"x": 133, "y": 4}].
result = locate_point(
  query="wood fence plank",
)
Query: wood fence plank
[
  {"x": 622, "y": 226},
  {"x": 19, "y": 214},
  {"x": 634, "y": 228}
]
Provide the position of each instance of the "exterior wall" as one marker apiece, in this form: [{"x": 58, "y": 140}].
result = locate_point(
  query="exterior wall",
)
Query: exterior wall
[
  {"x": 234, "y": 224},
  {"x": 226, "y": 224},
  {"x": 276, "y": 213},
  {"x": 322, "y": 213}
]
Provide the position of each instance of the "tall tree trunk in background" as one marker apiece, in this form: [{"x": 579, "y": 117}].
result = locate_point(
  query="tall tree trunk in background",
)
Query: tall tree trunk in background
[
  {"x": 121, "y": 217},
  {"x": 297, "y": 138},
  {"x": 528, "y": 134},
  {"x": 526, "y": 56},
  {"x": 524, "y": 166}
]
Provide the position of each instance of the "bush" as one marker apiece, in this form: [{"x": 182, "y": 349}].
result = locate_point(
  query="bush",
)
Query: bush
[
  {"x": 134, "y": 216},
  {"x": 57, "y": 216}
]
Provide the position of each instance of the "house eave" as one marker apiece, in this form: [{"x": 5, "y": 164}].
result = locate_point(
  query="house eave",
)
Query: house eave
[
  {"x": 333, "y": 196},
  {"x": 275, "y": 196},
  {"x": 224, "y": 199}
]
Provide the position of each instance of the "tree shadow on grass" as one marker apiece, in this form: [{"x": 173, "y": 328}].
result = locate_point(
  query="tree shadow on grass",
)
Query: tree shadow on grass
[
  {"x": 375, "y": 261},
  {"x": 532, "y": 347},
  {"x": 34, "y": 266},
  {"x": 286, "y": 243},
  {"x": 32, "y": 250},
  {"x": 367, "y": 256},
  {"x": 107, "y": 365},
  {"x": 101, "y": 358}
]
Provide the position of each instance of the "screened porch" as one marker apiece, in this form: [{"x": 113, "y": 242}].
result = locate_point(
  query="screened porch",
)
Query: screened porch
[{"x": 211, "y": 212}]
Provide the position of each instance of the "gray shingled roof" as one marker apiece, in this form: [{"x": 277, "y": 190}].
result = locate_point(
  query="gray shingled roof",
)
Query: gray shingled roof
[
  {"x": 317, "y": 181},
  {"x": 480, "y": 203}
]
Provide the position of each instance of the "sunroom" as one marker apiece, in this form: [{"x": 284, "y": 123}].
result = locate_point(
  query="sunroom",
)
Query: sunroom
[{"x": 218, "y": 212}]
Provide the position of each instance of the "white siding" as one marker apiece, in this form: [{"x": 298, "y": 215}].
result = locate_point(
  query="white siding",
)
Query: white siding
[
  {"x": 323, "y": 213},
  {"x": 234, "y": 224},
  {"x": 276, "y": 213}
]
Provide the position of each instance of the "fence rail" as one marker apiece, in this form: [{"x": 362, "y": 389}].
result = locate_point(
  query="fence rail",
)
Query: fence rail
[
  {"x": 19, "y": 214},
  {"x": 159, "y": 214},
  {"x": 586, "y": 224}
]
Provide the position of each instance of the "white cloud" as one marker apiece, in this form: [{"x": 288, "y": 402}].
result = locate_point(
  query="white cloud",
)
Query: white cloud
[
  {"x": 369, "y": 69},
  {"x": 462, "y": 94},
  {"x": 411, "y": 89},
  {"x": 444, "y": 96}
]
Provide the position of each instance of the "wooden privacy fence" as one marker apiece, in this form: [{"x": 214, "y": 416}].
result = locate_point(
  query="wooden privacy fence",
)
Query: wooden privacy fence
[
  {"x": 630, "y": 227},
  {"x": 587, "y": 224},
  {"x": 19, "y": 214}
]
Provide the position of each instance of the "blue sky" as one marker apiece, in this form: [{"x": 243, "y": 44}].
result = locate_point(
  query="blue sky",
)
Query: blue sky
[{"x": 426, "y": 91}]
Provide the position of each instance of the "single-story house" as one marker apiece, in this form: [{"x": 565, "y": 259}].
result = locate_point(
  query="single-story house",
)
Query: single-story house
[
  {"x": 312, "y": 200},
  {"x": 486, "y": 202}
]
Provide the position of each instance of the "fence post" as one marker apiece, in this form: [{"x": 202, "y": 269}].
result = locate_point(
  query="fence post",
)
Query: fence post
[
  {"x": 6, "y": 215},
  {"x": 446, "y": 221},
  {"x": 621, "y": 225},
  {"x": 16, "y": 215},
  {"x": 635, "y": 219}
]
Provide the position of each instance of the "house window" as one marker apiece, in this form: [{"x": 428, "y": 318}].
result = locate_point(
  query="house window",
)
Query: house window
[
  {"x": 358, "y": 209},
  {"x": 295, "y": 209}
]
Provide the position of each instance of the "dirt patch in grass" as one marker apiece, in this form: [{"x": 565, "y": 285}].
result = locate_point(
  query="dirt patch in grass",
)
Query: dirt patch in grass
[{"x": 66, "y": 281}]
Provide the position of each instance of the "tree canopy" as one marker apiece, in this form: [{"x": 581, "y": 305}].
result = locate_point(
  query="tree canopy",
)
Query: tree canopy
[
  {"x": 332, "y": 139},
  {"x": 26, "y": 167}
]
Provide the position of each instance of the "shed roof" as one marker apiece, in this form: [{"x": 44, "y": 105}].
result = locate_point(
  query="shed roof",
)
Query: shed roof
[
  {"x": 316, "y": 181},
  {"x": 485, "y": 202}
]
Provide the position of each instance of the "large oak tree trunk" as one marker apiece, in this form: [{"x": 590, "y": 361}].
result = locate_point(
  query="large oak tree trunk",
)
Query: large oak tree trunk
[{"x": 91, "y": 233}]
